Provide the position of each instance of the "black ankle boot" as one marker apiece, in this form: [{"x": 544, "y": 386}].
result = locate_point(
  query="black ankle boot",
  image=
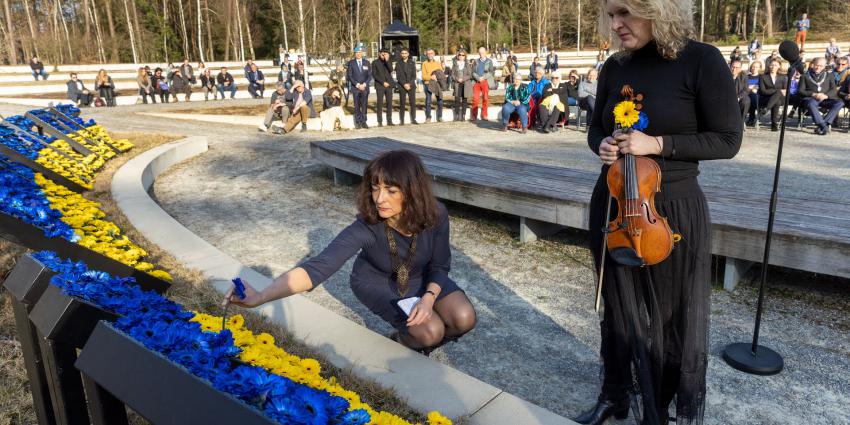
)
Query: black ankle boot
[{"x": 604, "y": 409}]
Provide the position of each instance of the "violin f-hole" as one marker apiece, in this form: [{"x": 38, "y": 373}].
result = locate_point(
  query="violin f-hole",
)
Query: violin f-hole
[{"x": 649, "y": 217}]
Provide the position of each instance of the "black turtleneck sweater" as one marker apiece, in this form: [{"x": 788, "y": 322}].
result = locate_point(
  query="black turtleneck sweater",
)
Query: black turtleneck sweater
[{"x": 690, "y": 103}]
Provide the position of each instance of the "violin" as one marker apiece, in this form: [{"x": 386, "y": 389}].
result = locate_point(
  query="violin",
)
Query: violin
[{"x": 638, "y": 236}]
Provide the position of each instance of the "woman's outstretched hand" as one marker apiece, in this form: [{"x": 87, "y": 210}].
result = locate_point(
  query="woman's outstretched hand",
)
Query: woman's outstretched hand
[
  {"x": 421, "y": 311},
  {"x": 252, "y": 297}
]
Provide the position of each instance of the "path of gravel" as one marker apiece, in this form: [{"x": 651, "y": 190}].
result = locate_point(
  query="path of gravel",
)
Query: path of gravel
[{"x": 263, "y": 200}]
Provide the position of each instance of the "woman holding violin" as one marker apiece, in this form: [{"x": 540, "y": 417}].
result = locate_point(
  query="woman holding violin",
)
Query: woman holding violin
[{"x": 679, "y": 107}]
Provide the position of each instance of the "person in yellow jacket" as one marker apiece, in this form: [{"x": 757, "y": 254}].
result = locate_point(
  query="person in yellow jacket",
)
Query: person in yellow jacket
[{"x": 552, "y": 109}]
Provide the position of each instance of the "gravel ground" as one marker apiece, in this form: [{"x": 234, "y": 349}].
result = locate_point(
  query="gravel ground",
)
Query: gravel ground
[{"x": 263, "y": 200}]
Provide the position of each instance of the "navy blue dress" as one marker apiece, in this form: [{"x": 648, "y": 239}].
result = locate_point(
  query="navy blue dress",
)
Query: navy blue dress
[{"x": 371, "y": 277}]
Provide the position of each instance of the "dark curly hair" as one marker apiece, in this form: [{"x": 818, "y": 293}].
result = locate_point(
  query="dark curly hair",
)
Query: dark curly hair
[{"x": 403, "y": 169}]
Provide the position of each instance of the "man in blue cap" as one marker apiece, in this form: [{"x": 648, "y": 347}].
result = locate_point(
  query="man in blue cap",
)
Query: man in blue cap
[{"x": 359, "y": 77}]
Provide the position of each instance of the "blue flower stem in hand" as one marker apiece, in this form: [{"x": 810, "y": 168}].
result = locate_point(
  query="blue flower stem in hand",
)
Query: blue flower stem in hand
[{"x": 239, "y": 290}]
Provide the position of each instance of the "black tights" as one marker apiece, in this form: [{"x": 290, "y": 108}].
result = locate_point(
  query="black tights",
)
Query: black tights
[{"x": 453, "y": 316}]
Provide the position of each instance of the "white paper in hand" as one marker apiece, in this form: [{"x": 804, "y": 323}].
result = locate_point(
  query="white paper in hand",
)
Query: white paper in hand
[{"x": 407, "y": 304}]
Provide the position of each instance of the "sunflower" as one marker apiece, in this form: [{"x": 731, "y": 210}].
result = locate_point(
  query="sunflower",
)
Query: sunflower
[{"x": 626, "y": 114}]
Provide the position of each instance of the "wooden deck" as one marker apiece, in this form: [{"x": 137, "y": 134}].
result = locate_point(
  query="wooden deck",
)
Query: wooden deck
[{"x": 808, "y": 235}]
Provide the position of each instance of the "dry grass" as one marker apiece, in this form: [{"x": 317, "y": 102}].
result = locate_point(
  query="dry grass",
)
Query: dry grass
[{"x": 190, "y": 288}]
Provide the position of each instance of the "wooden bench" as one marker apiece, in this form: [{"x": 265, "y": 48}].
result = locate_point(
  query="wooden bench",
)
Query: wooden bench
[{"x": 808, "y": 235}]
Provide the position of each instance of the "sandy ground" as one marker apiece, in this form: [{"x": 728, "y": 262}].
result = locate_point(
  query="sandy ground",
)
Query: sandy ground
[{"x": 262, "y": 199}]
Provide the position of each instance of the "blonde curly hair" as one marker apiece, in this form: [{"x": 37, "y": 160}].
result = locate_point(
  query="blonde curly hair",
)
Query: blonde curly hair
[{"x": 672, "y": 23}]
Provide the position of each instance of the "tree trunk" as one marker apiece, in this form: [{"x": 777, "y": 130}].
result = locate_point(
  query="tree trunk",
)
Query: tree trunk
[
  {"x": 130, "y": 31},
  {"x": 301, "y": 24},
  {"x": 283, "y": 21},
  {"x": 228, "y": 31},
  {"x": 248, "y": 33},
  {"x": 10, "y": 29},
  {"x": 701, "y": 20},
  {"x": 315, "y": 24},
  {"x": 163, "y": 29},
  {"x": 445, "y": 26},
  {"x": 210, "y": 48},
  {"x": 200, "y": 33},
  {"x": 140, "y": 41},
  {"x": 112, "y": 44},
  {"x": 65, "y": 27},
  {"x": 578, "y": 28},
  {"x": 32, "y": 28},
  {"x": 239, "y": 28},
  {"x": 183, "y": 29},
  {"x": 768, "y": 17},
  {"x": 92, "y": 12},
  {"x": 87, "y": 33},
  {"x": 755, "y": 19},
  {"x": 472, "y": 9},
  {"x": 356, "y": 19}
]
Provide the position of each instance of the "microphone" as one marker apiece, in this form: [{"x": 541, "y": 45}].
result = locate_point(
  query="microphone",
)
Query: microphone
[{"x": 790, "y": 52}]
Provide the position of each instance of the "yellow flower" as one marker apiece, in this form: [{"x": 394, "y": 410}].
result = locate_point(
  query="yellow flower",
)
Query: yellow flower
[
  {"x": 435, "y": 418},
  {"x": 626, "y": 114}
]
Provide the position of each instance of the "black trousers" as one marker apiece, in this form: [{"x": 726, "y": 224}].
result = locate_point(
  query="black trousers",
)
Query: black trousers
[
  {"x": 744, "y": 104},
  {"x": 459, "y": 107},
  {"x": 655, "y": 324},
  {"x": 774, "y": 102},
  {"x": 361, "y": 99},
  {"x": 545, "y": 119},
  {"x": 407, "y": 96},
  {"x": 384, "y": 98}
]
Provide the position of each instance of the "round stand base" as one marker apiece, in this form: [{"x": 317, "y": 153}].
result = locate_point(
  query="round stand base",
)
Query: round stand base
[{"x": 764, "y": 362}]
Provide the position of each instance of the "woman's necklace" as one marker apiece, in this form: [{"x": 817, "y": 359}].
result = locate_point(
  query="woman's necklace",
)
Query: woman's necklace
[{"x": 401, "y": 269}]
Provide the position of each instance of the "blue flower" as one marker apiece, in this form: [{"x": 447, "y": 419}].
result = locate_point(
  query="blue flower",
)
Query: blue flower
[
  {"x": 642, "y": 123},
  {"x": 356, "y": 417}
]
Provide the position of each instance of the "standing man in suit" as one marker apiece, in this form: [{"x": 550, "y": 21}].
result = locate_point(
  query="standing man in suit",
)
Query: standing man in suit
[
  {"x": 382, "y": 70},
  {"x": 359, "y": 77},
  {"x": 405, "y": 73}
]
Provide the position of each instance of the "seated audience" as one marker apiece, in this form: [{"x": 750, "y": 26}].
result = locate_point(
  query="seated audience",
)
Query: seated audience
[
  {"x": 572, "y": 88},
  {"x": 818, "y": 90},
  {"x": 551, "y": 62},
  {"x": 285, "y": 75},
  {"x": 772, "y": 92},
  {"x": 38, "y": 69},
  {"x": 332, "y": 114},
  {"x": 832, "y": 51},
  {"x": 740, "y": 80},
  {"x": 754, "y": 50},
  {"x": 508, "y": 71},
  {"x": 145, "y": 86},
  {"x": 753, "y": 78},
  {"x": 77, "y": 91},
  {"x": 844, "y": 92},
  {"x": 180, "y": 84},
  {"x": 532, "y": 70},
  {"x": 841, "y": 70},
  {"x": 256, "y": 82},
  {"x": 208, "y": 85},
  {"x": 301, "y": 100},
  {"x": 736, "y": 55},
  {"x": 188, "y": 72},
  {"x": 225, "y": 82},
  {"x": 587, "y": 92},
  {"x": 517, "y": 98},
  {"x": 160, "y": 85},
  {"x": 302, "y": 75},
  {"x": 552, "y": 109},
  {"x": 248, "y": 65},
  {"x": 278, "y": 109},
  {"x": 105, "y": 87},
  {"x": 537, "y": 85},
  {"x": 773, "y": 55}
]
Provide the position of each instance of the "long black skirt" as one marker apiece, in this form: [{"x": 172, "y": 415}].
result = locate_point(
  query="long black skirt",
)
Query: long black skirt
[{"x": 655, "y": 324}]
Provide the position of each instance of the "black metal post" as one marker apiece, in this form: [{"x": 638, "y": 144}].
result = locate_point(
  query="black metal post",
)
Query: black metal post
[{"x": 754, "y": 358}]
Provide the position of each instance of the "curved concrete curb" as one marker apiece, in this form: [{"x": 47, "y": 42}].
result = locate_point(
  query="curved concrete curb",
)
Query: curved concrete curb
[{"x": 424, "y": 383}]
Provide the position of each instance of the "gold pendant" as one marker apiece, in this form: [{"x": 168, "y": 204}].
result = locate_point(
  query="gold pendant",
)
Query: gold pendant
[{"x": 402, "y": 276}]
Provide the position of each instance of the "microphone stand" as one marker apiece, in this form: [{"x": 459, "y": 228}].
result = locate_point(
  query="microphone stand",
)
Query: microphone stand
[{"x": 751, "y": 357}]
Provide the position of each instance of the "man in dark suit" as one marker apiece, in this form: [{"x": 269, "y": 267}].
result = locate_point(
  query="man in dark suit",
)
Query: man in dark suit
[
  {"x": 77, "y": 91},
  {"x": 359, "y": 77},
  {"x": 405, "y": 75},
  {"x": 382, "y": 72},
  {"x": 740, "y": 80}
]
